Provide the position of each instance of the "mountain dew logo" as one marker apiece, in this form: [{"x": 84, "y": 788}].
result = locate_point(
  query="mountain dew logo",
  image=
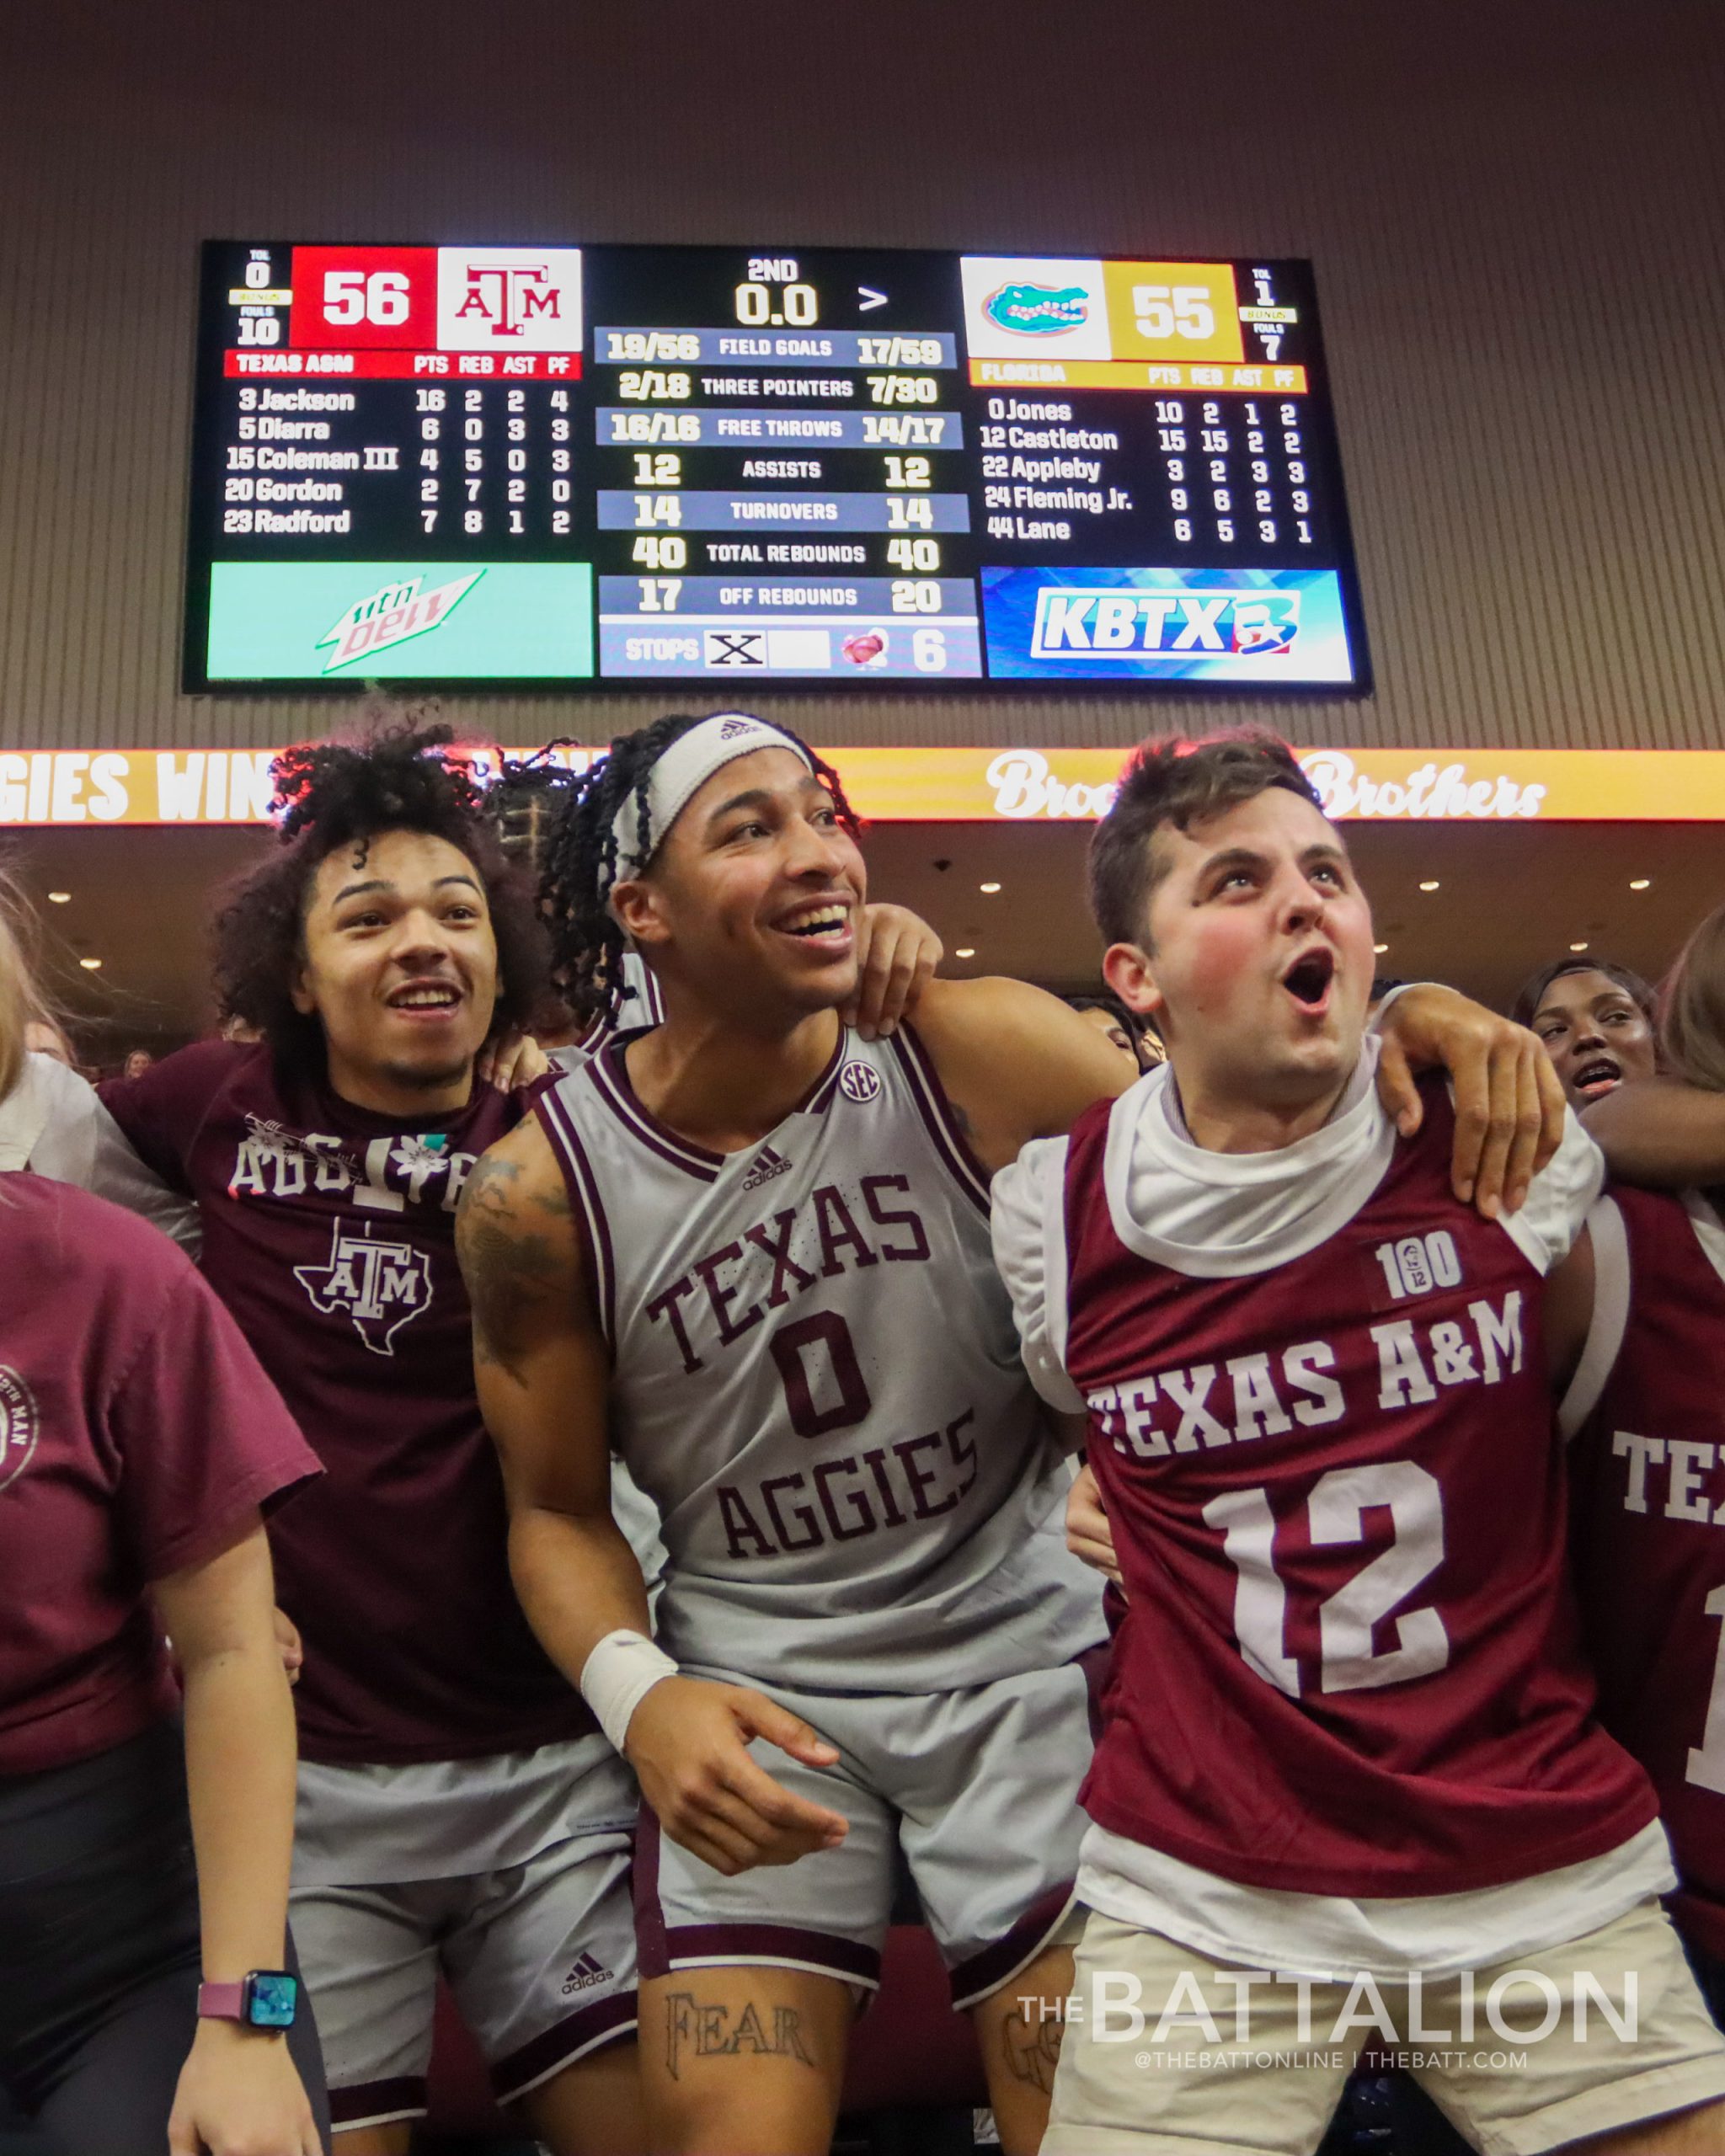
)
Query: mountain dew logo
[
  {"x": 391, "y": 615},
  {"x": 1037, "y": 310}
]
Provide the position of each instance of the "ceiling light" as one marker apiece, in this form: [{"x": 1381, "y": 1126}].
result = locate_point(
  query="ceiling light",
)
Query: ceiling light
[
  {"x": 990, "y": 888},
  {"x": 965, "y": 951},
  {"x": 90, "y": 965},
  {"x": 1381, "y": 948},
  {"x": 1431, "y": 886},
  {"x": 60, "y": 898},
  {"x": 1640, "y": 882},
  {"x": 1577, "y": 947}
]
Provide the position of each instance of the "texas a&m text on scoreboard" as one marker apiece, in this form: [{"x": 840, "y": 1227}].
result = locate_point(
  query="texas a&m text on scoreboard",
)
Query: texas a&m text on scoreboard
[{"x": 543, "y": 466}]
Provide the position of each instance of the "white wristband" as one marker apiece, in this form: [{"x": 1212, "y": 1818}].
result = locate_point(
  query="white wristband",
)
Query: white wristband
[{"x": 617, "y": 1675}]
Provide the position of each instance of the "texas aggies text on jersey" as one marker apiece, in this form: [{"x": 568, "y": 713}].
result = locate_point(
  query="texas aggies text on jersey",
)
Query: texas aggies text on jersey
[
  {"x": 815, "y": 1377},
  {"x": 329, "y": 1233},
  {"x": 1350, "y": 1664},
  {"x": 1647, "y": 1503}
]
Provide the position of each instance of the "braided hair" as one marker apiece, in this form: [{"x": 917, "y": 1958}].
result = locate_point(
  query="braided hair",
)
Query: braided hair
[
  {"x": 579, "y": 852},
  {"x": 339, "y": 794}
]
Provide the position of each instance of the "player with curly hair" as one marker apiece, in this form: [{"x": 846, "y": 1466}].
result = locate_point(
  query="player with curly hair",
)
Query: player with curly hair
[{"x": 457, "y": 1808}]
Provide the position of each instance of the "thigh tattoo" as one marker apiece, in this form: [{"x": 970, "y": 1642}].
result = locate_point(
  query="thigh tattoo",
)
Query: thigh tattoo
[{"x": 696, "y": 2028}]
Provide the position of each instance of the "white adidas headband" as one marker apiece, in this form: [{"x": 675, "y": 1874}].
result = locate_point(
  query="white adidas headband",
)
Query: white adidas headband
[{"x": 681, "y": 771}]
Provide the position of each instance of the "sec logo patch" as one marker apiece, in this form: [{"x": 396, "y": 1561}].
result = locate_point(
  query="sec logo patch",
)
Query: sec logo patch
[
  {"x": 19, "y": 1425},
  {"x": 859, "y": 1081}
]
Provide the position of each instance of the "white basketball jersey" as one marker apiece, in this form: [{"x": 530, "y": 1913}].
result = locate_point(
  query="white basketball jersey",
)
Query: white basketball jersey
[{"x": 815, "y": 1377}]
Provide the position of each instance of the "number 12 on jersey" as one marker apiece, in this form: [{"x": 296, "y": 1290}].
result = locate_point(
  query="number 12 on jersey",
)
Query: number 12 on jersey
[{"x": 1336, "y": 1513}]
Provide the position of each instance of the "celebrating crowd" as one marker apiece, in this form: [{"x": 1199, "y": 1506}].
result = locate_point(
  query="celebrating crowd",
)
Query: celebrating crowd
[{"x": 1211, "y": 1484}]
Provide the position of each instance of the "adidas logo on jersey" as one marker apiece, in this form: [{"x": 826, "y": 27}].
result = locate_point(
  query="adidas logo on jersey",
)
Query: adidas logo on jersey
[
  {"x": 585, "y": 1975},
  {"x": 765, "y": 1165}
]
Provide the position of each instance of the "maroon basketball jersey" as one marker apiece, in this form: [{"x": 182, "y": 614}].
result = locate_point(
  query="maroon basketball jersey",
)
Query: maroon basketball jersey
[
  {"x": 1350, "y": 1664},
  {"x": 1648, "y": 1525},
  {"x": 329, "y": 1233}
]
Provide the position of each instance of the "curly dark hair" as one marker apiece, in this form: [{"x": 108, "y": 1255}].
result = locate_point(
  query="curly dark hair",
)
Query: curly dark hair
[
  {"x": 577, "y": 850},
  {"x": 1178, "y": 782},
  {"x": 343, "y": 793}
]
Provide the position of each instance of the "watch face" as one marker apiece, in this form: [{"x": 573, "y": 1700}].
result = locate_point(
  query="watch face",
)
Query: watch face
[{"x": 272, "y": 1998}]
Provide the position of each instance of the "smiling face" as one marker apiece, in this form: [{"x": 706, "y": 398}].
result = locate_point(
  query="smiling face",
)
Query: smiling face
[
  {"x": 1256, "y": 959},
  {"x": 750, "y": 903},
  {"x": 1595, "y": 1033},
  {"x": 399, "y": 965}
]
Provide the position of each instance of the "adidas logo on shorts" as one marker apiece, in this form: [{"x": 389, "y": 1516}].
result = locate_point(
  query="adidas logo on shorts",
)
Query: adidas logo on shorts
[
  {"x": 765, "y": 1165},
  {"x": 585, "y": 1975}
]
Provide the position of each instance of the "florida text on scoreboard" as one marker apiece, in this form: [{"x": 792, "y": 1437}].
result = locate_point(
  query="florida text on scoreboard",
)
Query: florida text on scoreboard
[{"x": 552, "y": 466}]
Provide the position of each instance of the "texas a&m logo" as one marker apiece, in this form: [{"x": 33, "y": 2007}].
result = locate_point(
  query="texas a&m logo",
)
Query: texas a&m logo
[{"x": 379, "y": 1283}]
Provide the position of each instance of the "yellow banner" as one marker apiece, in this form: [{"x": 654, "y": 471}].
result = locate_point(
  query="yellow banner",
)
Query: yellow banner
[{"x": 960, "y": 785}]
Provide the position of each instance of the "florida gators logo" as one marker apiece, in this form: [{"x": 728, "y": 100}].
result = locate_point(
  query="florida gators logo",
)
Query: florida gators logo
[
  {"x": 1037, "y": 310},
  {"x": 20, "y": 1425}
]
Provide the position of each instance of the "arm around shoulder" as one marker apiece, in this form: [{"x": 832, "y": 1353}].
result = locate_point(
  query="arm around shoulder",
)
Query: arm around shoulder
[
  {"x": 1015, "y": 1062},
  {"x": 1661, "y": 1132}
]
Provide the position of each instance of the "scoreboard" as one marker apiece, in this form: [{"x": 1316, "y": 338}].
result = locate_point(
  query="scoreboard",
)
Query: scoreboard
[{"x": 552, "y": 467}]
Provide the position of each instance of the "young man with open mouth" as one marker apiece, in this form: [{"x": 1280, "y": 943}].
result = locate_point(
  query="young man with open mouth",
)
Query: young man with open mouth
[{"x": 1350, "y": 1787}]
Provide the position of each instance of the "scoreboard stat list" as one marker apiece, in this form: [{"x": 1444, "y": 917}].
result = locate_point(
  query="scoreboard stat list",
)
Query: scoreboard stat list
[{"x": 561, "y": 465}]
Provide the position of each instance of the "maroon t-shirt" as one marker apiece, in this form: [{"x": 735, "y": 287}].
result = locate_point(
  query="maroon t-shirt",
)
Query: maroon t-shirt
[
  {"x": 137, "y": 1430},
  {"x": 329, "y": 1233}
]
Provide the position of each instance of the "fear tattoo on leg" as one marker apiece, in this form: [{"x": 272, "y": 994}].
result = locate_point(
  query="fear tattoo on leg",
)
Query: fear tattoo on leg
[{"x": 709, "y": 2031}]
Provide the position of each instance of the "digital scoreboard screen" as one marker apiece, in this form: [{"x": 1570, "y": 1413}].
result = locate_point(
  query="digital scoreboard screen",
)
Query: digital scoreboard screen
[{"x": 546, "y": 467}]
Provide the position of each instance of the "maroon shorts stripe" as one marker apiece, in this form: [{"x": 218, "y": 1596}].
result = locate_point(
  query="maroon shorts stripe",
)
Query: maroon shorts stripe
[
  {"x": 369, "y": 2101},
  {"x": 587, "y": 2030},
  {"x": 984, "y": 1973},
  {"x": 692, "y": 1946},
  {"x": 650, "y": 1916}
]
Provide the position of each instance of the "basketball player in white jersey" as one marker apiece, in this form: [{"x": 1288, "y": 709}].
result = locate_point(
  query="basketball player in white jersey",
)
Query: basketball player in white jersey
[{"x": 751, "y": 1249}]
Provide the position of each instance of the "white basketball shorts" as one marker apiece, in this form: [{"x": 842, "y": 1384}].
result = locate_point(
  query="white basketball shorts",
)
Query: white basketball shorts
[
  {"x": 534, "y": 1936},
  {"x": 978, "y": 1787}
]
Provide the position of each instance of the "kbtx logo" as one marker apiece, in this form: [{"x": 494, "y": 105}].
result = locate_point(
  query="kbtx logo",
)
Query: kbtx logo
[{"x": 1173, "y": 622}]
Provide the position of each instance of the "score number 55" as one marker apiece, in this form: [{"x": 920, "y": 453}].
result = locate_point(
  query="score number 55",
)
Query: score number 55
[{"x": 1173, "y": 311}]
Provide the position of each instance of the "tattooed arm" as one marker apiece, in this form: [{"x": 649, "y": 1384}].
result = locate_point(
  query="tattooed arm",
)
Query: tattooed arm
[
  {"x": 543, "y": 1376},
  {"x": 543, "y": 1373}
]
